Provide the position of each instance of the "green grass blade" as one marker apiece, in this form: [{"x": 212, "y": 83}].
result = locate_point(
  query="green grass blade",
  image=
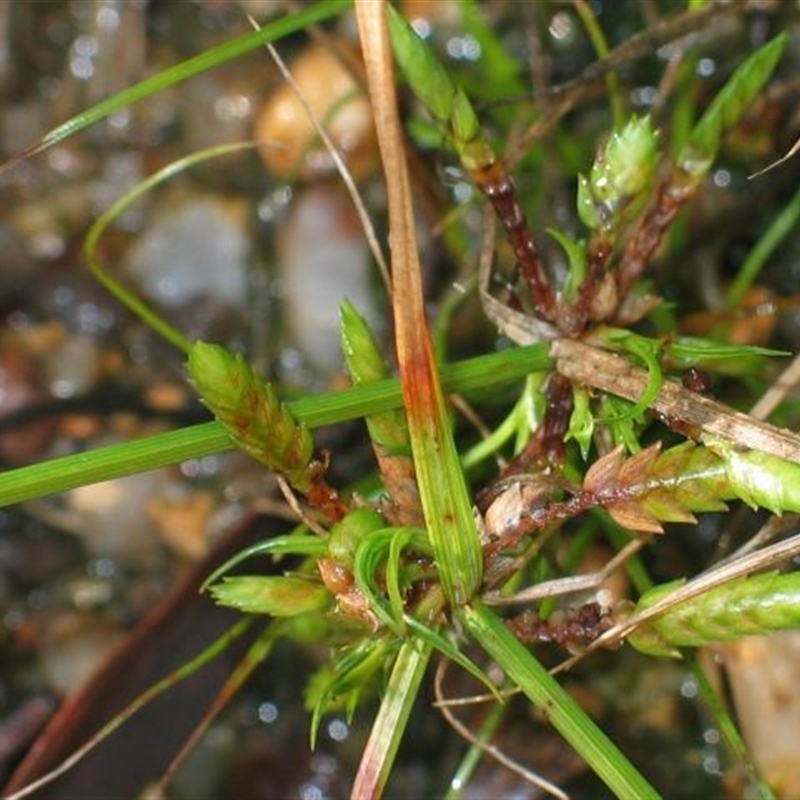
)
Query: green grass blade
[
  {"x": 293, "y": 544},
  {"x": 120, "y": 292},
  {"x": 561, "y": 710},
  {"x": 388, "y": 431},
  {"x": 784, "y": 224},
  {"x": 152, "y": 452},
  {"x": 445, "y": 101},
  {"x": 594, "y": 31},
  {"x": 477, "y": 375},
  {"x": 389, "y": 727},
  {"x": 183, "y": 71}
]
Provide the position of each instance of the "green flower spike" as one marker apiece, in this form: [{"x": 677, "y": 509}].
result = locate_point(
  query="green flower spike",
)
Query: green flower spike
[{"x": 248, "y": 407}]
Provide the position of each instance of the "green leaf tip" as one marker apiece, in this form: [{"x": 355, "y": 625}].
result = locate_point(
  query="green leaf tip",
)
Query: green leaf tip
[
  {"x": 429, "y": 80},
  {"x": 278, "y": 595},
  {"x": 445, "y": 101},
  {"x": 727, "y": 108},
  {"x": 364, "y": 360},
  {"x": 763, "y": 480},
  {"x": 352, "y": 672}
]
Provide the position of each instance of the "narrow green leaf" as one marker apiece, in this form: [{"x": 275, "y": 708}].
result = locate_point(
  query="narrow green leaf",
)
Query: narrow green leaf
[
  {"x": 695, "y": 351},
  {"x": 559, "y": 708},
  {"x": 581, "y": 421},
  {"x": 343, "y": 680},
  {"x": 447, "y": 102},
  {"x": 449, "y": 650},
  {"x": 388, "y": 430},
  {"x": 444, "y": 495},
  {"x": 293, "y": 544},
  {"x": 475, "y": 377},
  {"x": 398, "y": 579},
  {"x": 374, "y": 551},
  {"x": 576, "y": 258},
  {"x": 728, "y": 107},
  {"x": 389, "y": 726},
  {"x": 370, "y": 554},
  {"x": 170, "y": 76},
  {"x": 780, "y": 226},
  {"x": 643, "y": 348},
  {"x": 429, "y": 80},
  {"x": 124, "y": 295}
]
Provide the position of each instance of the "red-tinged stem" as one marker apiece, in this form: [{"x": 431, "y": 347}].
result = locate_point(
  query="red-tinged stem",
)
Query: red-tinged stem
[
  {"x": 499, "y": 189},
  {"x": 443, "y": 492},
  {"x": 671, "y": 196}
]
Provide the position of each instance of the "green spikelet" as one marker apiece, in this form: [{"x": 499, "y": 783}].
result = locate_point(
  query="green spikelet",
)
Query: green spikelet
[
  {"x": 248, "y": 407},
  {"x": 365, "y": 363},
  {"x": 746, "y": 607},
  {"x": 764, "y": 480},
  {"x": 622, "y": 173},
  {"x": 278, "y": 595}
]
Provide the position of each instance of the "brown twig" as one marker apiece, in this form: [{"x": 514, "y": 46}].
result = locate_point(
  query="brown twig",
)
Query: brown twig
[
  {"x": 692, "y": 414},
  {"x": 498, "y": 186}
]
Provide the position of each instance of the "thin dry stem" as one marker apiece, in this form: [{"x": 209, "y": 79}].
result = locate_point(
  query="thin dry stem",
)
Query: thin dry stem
[
  {"x": 787, "y": 381},
  {"x": 494, "y": 752},
  {"x": 763, "y": 559},
  {"x": 568, "y": 585},
  {"x": 341, "y": 167},
  {"x": 383, "y": 96},
  {"x": 294, "y": 505},
  {"x": 792, "y": 151}
]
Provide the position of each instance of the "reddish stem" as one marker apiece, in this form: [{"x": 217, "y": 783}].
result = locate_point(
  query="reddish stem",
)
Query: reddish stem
[
  {"x": 499, "y": 189},
  {"x": 546, "y": 447},
  {"x": 572, "y": 626},
  {"x": 600, "y": 250},
  {"x": 671, "y": 196}
]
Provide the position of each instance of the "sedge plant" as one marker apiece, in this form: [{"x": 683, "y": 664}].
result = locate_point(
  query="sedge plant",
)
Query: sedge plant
[{"x": 428, "y": 564}]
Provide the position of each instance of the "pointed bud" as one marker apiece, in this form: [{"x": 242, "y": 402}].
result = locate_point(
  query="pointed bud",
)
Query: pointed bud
[
  {"x": 622, "y": 173},
  {"x": 347, "y": 534}
]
